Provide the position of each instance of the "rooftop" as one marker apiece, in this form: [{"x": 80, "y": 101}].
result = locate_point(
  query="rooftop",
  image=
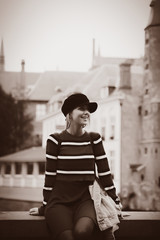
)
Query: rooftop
[{"x": 34, "y": 154}]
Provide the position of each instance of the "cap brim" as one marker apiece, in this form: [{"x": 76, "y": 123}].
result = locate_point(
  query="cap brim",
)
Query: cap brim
[{"x": 92, "y": 106}]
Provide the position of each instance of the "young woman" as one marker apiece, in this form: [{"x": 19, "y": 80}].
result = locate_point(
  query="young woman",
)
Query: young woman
[{"x": 70, "y": 169}]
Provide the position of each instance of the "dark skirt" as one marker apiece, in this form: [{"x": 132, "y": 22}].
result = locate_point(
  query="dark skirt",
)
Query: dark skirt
[{"x": 69, "y": 201}]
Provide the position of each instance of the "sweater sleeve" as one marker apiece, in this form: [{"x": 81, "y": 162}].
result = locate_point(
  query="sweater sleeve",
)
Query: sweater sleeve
[
  {"x": 104, "y": 173},
  {"x": 50, "y": 169}
]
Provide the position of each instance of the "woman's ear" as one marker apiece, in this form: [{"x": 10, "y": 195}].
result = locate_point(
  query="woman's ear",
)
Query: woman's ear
[{"x": 70, "y": 116}]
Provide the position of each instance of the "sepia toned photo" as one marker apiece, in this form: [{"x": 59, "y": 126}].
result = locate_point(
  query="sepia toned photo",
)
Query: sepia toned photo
[{"x": 79, "y": 119}]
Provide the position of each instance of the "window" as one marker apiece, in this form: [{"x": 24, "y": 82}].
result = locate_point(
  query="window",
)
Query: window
[
  {"x": 103, "y": 132},
  {"x": 139, "y": 110},
  {"x": 145, "y": 112},
  {"x": 142, "y": 177},
  {"x": 41, "y": 166},
  {"x": 146, "y": 66},
  {"x": 146, "y": 41},
  {"x": 112, "y": 127},
  {"x": 18, "y": 168},
  {"x": 112, "y": 135},
  {"x": 111, "y": 89},
  {"x": 145, "y": 150},
  {"x": 40, "y": 111},
  {"x": 7, "y": 168},
  {"x": 146, "y": 91},
  {"x": 139, "y": 151},
  {"x": 29, "y": 168}
]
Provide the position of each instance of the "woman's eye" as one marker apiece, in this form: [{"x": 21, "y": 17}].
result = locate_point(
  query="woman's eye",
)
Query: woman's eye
[{"x": 83, "y": 108}]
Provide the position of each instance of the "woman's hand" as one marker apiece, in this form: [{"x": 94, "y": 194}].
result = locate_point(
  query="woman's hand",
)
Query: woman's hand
[
  {"x": 119, "y": 210},
  {"x": 34, "y": 211}
]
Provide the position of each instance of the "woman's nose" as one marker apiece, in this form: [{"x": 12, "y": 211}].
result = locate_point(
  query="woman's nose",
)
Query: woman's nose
[{"x": 86, "y": 113}]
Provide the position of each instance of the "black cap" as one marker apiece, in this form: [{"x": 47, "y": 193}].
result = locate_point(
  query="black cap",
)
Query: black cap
[{"x": 76, "y": 100}]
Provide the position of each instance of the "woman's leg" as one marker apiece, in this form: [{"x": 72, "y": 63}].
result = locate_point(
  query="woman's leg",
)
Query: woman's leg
[
  {"x": 84, "y": 228},
  {"x": 66, "y": 235},
  {"x": 59, "y": 220},
  {"x": 108, "y": 234}
]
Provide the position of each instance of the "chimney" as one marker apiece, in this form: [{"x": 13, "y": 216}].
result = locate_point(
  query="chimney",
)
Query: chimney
[
  {"x": 125, "y": 76},
  {"x": 22, "y": 76},
  {"x": 2, "y": 58},
  {"x": 22, "y": 65},
  {"x": 93, "y": 53}
]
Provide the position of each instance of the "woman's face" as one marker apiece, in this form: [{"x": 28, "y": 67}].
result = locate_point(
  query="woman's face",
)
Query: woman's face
[{"x": 81, "y": 115}]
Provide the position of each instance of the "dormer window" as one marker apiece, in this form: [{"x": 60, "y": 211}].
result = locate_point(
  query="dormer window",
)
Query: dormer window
[
  {"x": 106, "y": 91},
  {"x": 111, "y": 89}
]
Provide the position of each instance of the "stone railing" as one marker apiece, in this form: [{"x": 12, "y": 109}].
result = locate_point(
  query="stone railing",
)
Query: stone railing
[{"x": 133, "y": 226}]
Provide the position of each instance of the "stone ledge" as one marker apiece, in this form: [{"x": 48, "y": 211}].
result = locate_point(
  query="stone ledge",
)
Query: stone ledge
[{"x": 134, "y": 225}]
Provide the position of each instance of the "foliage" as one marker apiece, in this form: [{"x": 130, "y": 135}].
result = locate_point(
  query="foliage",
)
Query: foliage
[{"x": 15, "y": 125}]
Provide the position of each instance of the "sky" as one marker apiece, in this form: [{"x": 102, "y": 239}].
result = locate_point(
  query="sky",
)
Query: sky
[{"x": 58, "y": 34}]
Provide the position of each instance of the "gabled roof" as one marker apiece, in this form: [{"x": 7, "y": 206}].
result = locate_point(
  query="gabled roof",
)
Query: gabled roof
[
  {"x": 106, "y": 75},
  {"x": 91, "y": 83},
  {"x": 34, "y": 154},
  {"x": 10, "y": 80},
  {"x": 49, "y": 82}
]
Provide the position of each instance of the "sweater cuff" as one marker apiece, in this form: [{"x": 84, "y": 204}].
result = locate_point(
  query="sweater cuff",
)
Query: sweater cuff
[{"x": 117, "y": 200}]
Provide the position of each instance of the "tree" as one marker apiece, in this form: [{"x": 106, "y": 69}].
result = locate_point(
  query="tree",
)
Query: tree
[{"x": 15, "y": 125}]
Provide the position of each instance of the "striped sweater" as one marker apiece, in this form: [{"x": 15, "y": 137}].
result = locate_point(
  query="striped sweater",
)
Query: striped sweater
[{"x": 72, "y": 158}]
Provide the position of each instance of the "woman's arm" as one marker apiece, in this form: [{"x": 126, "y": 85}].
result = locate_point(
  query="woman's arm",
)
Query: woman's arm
[
  {"x": 52, "y": 150},
  {"x": 103, "y": 169}
]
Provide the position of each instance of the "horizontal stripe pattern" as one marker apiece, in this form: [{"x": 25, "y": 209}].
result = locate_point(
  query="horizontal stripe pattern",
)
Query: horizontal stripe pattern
[
  {"x": 48, "y": 188},
  {"x": 104, "y": 173},
  {"x": 101, "y": 157},
  {"x": 97, "y": 141},
  {"x": 53, "y": 139},
  {"x": 44, "y": 202},
  {"x": 75, "y": 172},
  {"x": 51, "y": 157},
  {"x": 50, "y": 173},
  {"x": 75, "y": 143},
  {"x": 76, "y": 157},
  {"x": 74, "y": 161},
  {"x": 109, "y": 188}
]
